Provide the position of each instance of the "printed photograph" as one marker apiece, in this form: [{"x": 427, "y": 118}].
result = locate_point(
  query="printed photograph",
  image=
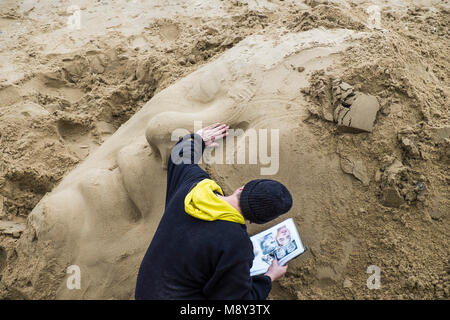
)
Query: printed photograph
[
  {"x": 277, "y": 244},
  {"x": 185, "y": 149}
]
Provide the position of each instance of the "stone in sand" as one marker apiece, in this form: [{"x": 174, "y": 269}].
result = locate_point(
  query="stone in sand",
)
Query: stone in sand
[
  {"x": 12, "y": 228},
  {"x": 356, "y": 168},
  {"x": 360, "y": 116},
  {"x": 392, "y": 198}
]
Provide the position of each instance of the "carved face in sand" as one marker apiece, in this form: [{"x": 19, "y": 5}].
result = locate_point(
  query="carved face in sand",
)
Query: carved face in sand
[{"x": 103, "y": 214}]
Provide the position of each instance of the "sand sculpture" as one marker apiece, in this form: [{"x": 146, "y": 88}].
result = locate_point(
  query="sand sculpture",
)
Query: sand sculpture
[{"x": 102, "y": 216}]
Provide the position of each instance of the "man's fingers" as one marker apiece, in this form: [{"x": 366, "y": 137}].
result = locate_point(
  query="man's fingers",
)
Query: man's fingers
[
  {"x": 221, "y": 132},
  {"x": 221, "y": 125},
  {"x": 214, "y": 132},
  {"x": 215, "y": 128},
  {"x": 220, "y": 128},
  {"x": 212, "y": 126},
  {"x": 215, "y": 138},
  {"x": 220, "y": 136},
  {"x": 277, "y": 263}
]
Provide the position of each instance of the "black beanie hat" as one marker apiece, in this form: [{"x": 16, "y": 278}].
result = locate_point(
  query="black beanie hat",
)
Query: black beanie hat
[{"x": 263, "y": 200}]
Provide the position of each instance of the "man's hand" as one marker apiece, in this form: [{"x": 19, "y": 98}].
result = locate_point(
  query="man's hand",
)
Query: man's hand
[
  {"x": 212, "y": 133},
  {"x": 276, "y": 271}
]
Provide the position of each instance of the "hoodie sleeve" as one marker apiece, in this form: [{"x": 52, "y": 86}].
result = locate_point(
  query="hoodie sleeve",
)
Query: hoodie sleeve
[{"x": 182, "y": 167}]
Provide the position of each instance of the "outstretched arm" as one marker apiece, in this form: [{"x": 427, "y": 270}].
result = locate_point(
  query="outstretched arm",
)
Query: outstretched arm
[
  {"x": 183, "y": 161},
  {"x": 213, "y": 133}
]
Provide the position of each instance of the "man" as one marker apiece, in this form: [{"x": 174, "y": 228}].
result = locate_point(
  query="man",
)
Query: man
[{"x": 201, "y": 249}]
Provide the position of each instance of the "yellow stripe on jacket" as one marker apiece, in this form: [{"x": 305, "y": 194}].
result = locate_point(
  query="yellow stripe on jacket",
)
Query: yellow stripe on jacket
[{"x": 202, "y": 203}]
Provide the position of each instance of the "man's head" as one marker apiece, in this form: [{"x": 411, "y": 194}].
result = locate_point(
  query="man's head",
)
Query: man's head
[{"x": 262, "y": 200}]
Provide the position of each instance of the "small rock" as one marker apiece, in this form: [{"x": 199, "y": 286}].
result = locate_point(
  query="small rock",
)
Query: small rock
[
  {"x": 378, "y": 175},
  {"x": 346, "y": 95},
  {"x": 392, "y": 198},
  {"x": 336, "y": 91},
  {"x": 12, "y": 228},
  {"x": 355, "y": 168},
  {"x": 396, "y": 110},
  {"x": 395, "y": 168},
  {"x": 440, "y": 206},
  {"x": 343, "y": 93},
  {"x": 347, "y": 165},
  {"x": 349, "y": 99},
  {"x": 96, "y": 65},
  {"x": 360, "y": 116},
  {"x": 419, "y": 186},
  {"x": 327, "y": 115},
  {"x": 421, "y": 196},
  {"x": 347, "y": 283},
  {"x": 105, "y": 128},
  {"x": 410, "y": 148},
  {"x": 191, "y": 59},
  {"x": 439, "y": 134},
  {"x": 345, "y": 86},
  {"x": 360, "y": 172}
]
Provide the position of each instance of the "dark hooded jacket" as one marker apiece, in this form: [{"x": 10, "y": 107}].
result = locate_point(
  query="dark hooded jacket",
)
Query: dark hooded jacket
[{"x": 190, "y": 258}]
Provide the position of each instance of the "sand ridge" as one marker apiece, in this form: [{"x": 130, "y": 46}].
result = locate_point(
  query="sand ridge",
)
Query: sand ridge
[{"x": 64, "y": 94}]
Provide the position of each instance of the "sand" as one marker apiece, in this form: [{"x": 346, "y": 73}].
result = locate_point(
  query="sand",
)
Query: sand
[{"x": 76, "y": 190}]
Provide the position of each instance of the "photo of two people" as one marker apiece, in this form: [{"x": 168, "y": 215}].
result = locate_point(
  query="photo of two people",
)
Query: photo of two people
[
  {"x": 277, "y": 247},
  {"x": 281, "y": 242}
]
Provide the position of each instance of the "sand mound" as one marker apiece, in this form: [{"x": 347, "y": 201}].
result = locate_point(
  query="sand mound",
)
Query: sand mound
[{"x": 369, "y": 194}]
